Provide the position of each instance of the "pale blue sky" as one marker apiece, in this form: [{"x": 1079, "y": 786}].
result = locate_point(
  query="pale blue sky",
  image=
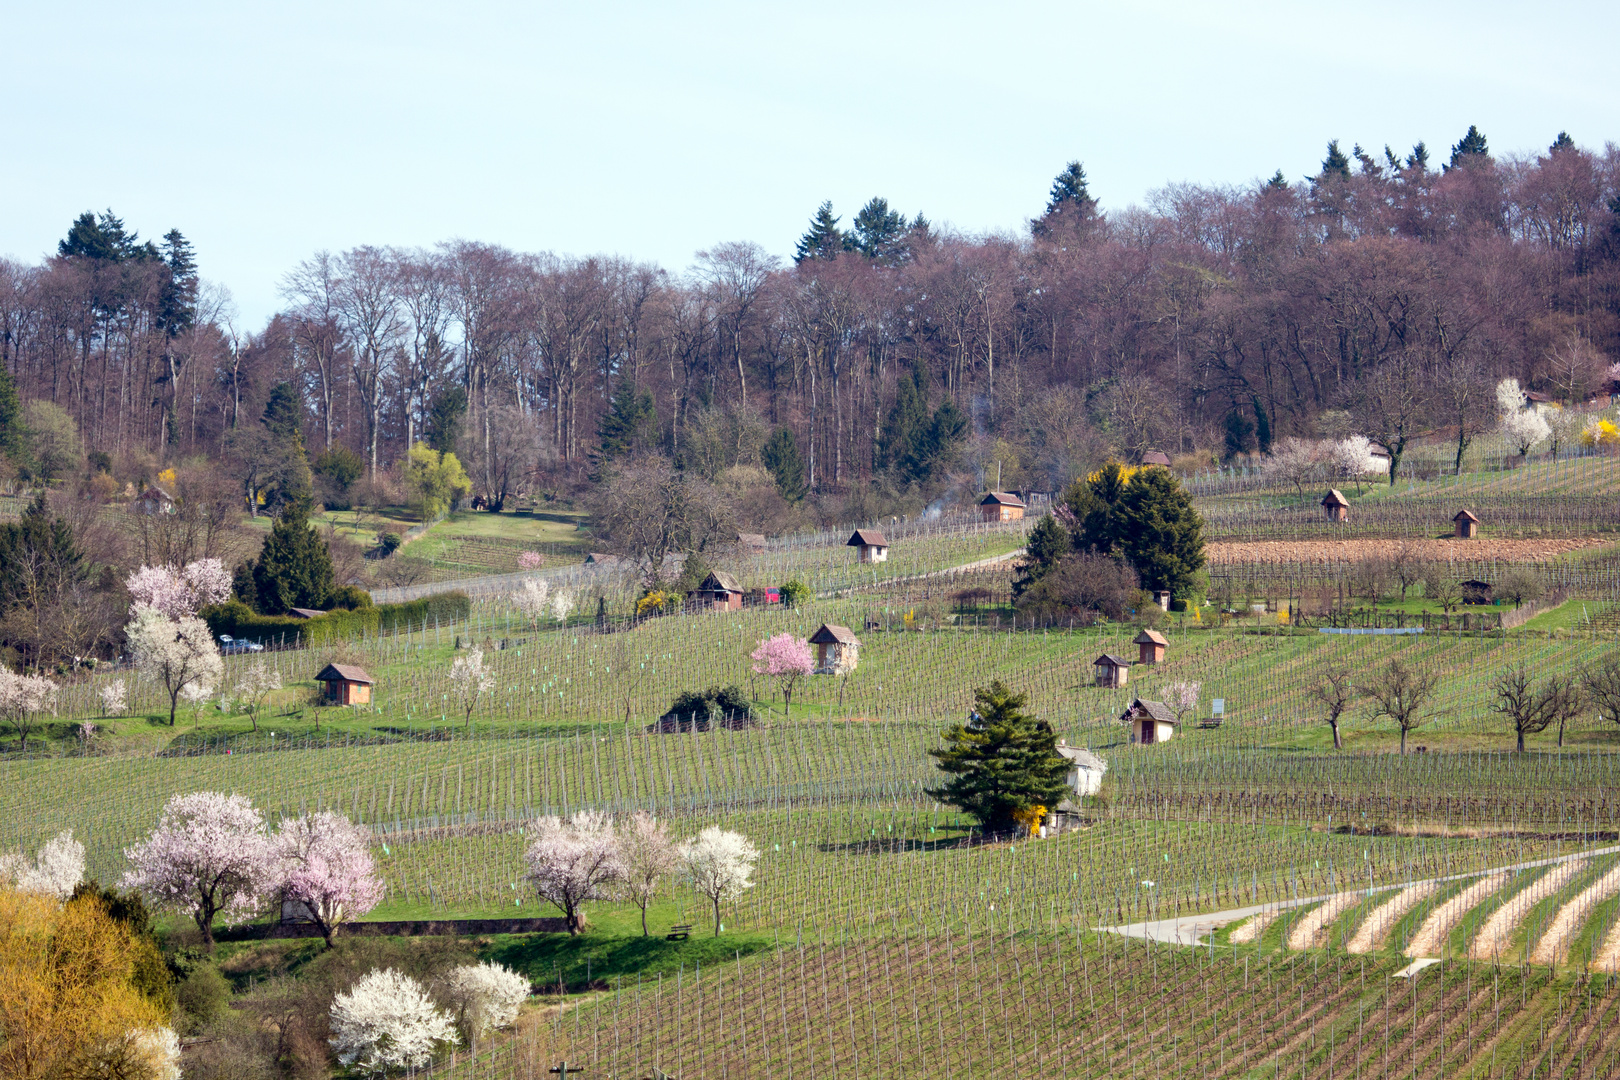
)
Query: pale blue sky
[{"x": 267, "y": 131}]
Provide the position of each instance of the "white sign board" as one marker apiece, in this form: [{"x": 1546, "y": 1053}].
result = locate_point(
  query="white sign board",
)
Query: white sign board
[{"x": 1218, "y": 707}]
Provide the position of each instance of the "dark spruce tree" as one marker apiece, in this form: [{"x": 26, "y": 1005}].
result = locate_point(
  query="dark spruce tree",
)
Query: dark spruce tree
[
  {"x": 284, "y": 413},
  {"x": 177, "y": 307},
  {"x": 1048, "y": 542},
  {"x": 1096, "y": 505},
  {"x": 1335, "y": 167},
  {"x": 782, "y": 461},
  {"x": 1418, "y": 159},
  {"x": 12, "y": 432},
  {"x": 1277, "y": 182},
  {"x": 907, "y": 423},
  {"x": 879, "y": 233},
  {"x": 823, "y": 240},
  {"x": 1069, "y": 200},
  {"x": 294, "y": 568},
  {"x": 445, "y": 413},
  {"x": 1003, "y": 764},
  {"x": 1162, "y": 535},
  {"x": 1262, "y": 425},
  {"x": 1471, "y": 147},
  {"x": 940, "y": 444},
  {"x": 630, "y": 423},
  {"x": 104, "y": 239},
  {"x": 1562, "y": 143}
]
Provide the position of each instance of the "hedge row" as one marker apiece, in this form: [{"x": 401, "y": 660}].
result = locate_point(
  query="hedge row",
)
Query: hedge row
[{"x": 240, "y": 621}]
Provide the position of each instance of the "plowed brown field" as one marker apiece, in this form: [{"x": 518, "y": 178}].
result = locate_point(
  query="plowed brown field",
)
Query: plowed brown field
[{"x": 1269, "y": 551}]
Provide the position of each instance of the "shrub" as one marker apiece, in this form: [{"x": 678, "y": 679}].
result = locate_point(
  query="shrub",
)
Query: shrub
[
  {"x": 389, "y": 542},
  {"x": 238, "y": 620},
  {"x": 796, "y": 593},
  {"x": 698, "y": 708}
]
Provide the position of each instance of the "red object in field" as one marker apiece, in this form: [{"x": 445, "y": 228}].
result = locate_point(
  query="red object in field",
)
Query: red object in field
[{"x": 773, "y": 595}]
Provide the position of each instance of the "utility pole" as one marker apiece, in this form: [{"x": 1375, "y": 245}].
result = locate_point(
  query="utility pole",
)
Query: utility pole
[{"x": 562, "y": 1069}]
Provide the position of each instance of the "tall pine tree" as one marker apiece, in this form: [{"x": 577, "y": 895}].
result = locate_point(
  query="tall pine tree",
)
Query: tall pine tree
[
  {"x": 630, "y": 423},
  {"x": 1069, "y": 200},
  {"x": 294, "y": 568},
  {"x": 782, "y": 461},
  {"x": 1470, "y": 148},
  {"x": 823, "y": 240},
  {"x": 1002, "y": 765}
]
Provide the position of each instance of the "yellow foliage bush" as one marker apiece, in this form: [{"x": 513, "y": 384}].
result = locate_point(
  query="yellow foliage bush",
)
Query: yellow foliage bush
[
  {"x": 1030, "y": 820},
  {"x": 1600, "y": 433},
  {"x": 656, "y": 602}
]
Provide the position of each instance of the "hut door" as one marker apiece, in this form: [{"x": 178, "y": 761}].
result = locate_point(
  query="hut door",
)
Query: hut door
[{"x": 1147, "y": 731}]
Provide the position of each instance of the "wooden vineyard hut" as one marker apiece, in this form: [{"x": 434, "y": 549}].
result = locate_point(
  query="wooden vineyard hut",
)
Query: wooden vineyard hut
[
  {"x": 1467, "y": 525},
  {"x": 869, "y": 544},
  {"x": 1156, "y": 457},
  {"x": 1150, "y": 646},
  {"x": 1002, "y": 506},
  {"x": 345, "y": 685},
  {"x": 1475, "y": 591},
  {"x": 1112, "y": 671},
  {"x": 1335, "y": 507},
  {"x": 718, "y": 592},
  {"x": 1151, "y": 722},
  {"x": 837, "y": 650}
]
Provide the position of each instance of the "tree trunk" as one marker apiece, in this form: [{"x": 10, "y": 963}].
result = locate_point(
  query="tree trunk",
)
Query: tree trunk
[
  {"x": 644, "y": 921},
  {"x": 1337, "y": 745},
  {"x": 1403, "y": 740},
  {"x": 716, "y": 916},
  {"x": 1521, "y": 740}
]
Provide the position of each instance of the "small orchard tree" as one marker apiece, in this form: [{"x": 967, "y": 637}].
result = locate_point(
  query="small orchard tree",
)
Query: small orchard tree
[
  {"x": 1002, "y": 764},
  {"x": 573, "y": 862},
  {"x": 530, "y": 560},
  {"x": 1532, "y": 709},
  {"x": 718, "y": 864},
  {"x": 469, "y": 681},
  {"x": 23, "y": 701},
  {"x": 484, "y": 997},
  {"x": 174, "y": 653},
  {"x": 785, "y": 659},
  {"x": 530, "y": 599},
  {"x": 209, "y": 856},
  {"x": 327, "y": 867},
  {"x": 386, "y": 1021},
  {"x": 253, "y": 689},
  {"x": 649, "y": 858},
  {"x": 114, "y": 698},
  {"x": 1601, "y": 686},
  {"x": 55, "y": 870},
  {"x": 1334, "y": 691},
  {"x": 1402, "y": 692},
  {"x": 562, "y": 606},
  {"x": 1182, "y": 698}
]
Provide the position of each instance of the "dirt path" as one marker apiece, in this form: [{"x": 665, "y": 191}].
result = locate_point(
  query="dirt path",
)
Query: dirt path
[
  {"x": 1381, "y": 919},
  {"x": 1312, "y": 927},
  {"x": 1608, "y": 958},
  {"x": 1251, "y": 930},
  {"x": 1553, "y": 948},
  {"x": 1269, "y": 551},
  {"x": 1426, "y": 942},
  {"x": 1496, "y": 936}
]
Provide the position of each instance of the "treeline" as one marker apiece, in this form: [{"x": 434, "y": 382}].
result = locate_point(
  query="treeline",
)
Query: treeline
[{"x": 1388, "y": 287}]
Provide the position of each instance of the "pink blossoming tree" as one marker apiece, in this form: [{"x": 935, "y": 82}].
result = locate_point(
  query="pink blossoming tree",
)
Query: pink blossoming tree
[
  {"x": 328, "y": 868},
  {"x": 786, "y": 659},
  {"x": 210, "y": 856},
  {"x": 575, "y": 861}
]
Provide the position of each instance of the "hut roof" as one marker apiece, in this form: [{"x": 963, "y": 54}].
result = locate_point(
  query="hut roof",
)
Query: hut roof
[
  {"x": 866, "y": 538},
  {"x": 1474, "y": 583},
  {"x": 1083, "y": 758},
  {"x": 1002, "y": 498},
  {"x": 719, "y": 581},
  {"x": 1464, "y": 515},
  {"x": 344, "y": 673},
  {"x": 307, "y": 612},
  {"x": 831, "y": 635},
  {"x": 1158, "y": 710},
  {"x": 1149, "y": 637},
  {"x": 1156, "y": 457},
  {"x": 1537, "y": 396},
  {"x": 600, "y": 558},
  {"x": 751, "y": 540},
  {"x": 1335, "y": 497},
  {"x": 1110, "y": 660}
]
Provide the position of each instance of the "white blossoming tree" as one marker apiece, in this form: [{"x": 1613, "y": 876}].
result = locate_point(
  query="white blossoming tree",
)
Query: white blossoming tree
[
  {"x": 485, "y": 997},
  {"x": 562, "y": 605},
  {"x": 469, "y": 681},
  {"x": 1523, "y": 428},
  {"x": 55, "y": 871},
  {"x": 115, "y": 698},
  {"x": 531, "y": 600},
  {"x": 179, "y": 592},
  {"x": 210, "y": 856},
  {"x": 386, "y": 1021},
  {"x": 573, "y": 862},
  {"x": 718, "y": 863},
  {"x": 174, "y": 653},
  {"x": 327, "y": 867},
  {"x": 649, "y": 858},
  {"x": 1182, "y": 698},
  {"x": 24, "y": 699},
  {"x": 253, "y": 689}
]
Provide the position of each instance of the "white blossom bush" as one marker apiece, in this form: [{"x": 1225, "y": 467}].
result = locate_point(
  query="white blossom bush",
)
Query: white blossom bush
[
  {"x": 573, "y": 862},
  {"x": 174, "y": 653},
  {"x": 486, "y": 997},
  {"x": 562, "y": 605},
  {"x": 1523, "y": 428},
  {"x": 114, "y": 698},
  {"x": 155, "y": 1049},
  {"x": 55, "y": 870},
  {"x": 718, "y": 864},
  {"x": 254, "y": 686},
  {"x": 328, "y": 868},
  {"x": 386, "y": 1021},
  {"x": 210, "y": 856}
]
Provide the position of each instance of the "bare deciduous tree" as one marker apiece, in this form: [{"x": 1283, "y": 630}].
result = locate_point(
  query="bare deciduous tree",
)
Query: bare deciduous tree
[
  {"x": 1402, "y": 692},
  {"x": 1334, "y": 691},
  {"x": 1531, "y": 709}
]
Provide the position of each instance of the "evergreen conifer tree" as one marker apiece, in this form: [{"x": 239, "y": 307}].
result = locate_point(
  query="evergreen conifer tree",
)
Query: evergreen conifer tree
[
  {"x": 12, "y": 432},
  {"x": 284, "y": 413},
  {"x": 445, "y": 413},
  {"x": 1277, "y": 182},
  {"x": 1069, "y": 198},
  {"x": 1095, "y": 502},
  {"x": 1562, "y": 143},
  {"x": 1262, "y": 425},
  {"x": 294, "y": 568},
  {"x": 906, "y": 422},
  {"x": 1418, "y": 159},
  {"x": 1048, "y": 542},
  {"x": 879, "y": 233},
  {"x": 1336, "y": 166},
  {"x": 1162, "y": 535},
  {"x": 1471, "y": 147},
  {"x": 782, "y": 460},
  {"x": 177, "y": 307},
  {"x": 1001, "y": 765},
  {"x": 630, "y": 423},
  {"x": 823, "y": 240}
]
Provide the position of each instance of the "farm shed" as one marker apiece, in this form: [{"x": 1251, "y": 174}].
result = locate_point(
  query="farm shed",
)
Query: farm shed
[
  {"x": 1162, "y": 598},
  {"x": 155, "y": 500},
  {"x": 1467, "y": 525},
  {"x": 598, "y": 558},
  {"x": 1085, "y": 769},
  {"x": 837, "y": 650},
  {"x": 1381, "y": 457},
  {"x": 1156, "y": 457},
  {"x": 1001, "y": 506},
  {"x": 1150, "y": 646},
  {"x": 1541, "y": 403},
  {"x": 718, "y": 592},
  {"x": 345, "y": 684},
  {"x": 870, "y": 545},
  {"x": 305, "y": 612},
  {"x": 1112, "y": 671},
  {"x": 1151, "y": 721},
  {"x": 1475, "y": 591},
  {"x": 751, "y": 541},
  {"x": 1335, "y": 506}
]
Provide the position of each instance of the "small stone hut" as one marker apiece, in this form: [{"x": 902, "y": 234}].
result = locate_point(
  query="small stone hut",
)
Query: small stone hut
[
  {"x": 1150, "y": 646},
  {"x": 1151, "y": 722},
  {"x": 1467, "y": 525},
  {"x": 1085, "y": 770},
  {"x": 345, "y": 685},
  {"x": 1335, "y": 507},
  {"x": 718, "y": 592},
  {"x": 1112, "y": 671},
  {"x": 1002, "y": 506},
  {"x": 869, "y": 544},
  {"x": 837, "y": 650}
]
